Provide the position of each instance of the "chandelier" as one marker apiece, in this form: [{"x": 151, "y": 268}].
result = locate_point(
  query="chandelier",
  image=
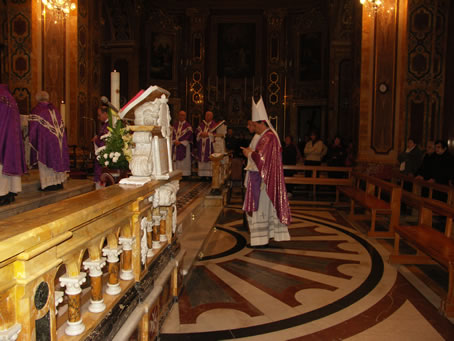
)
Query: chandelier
[
  {"x": 61, "y": 8},
  {"x": 372, "y": 6}
]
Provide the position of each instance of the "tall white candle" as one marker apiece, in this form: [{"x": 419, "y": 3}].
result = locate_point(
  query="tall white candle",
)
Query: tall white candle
[
  {"x": 63, "y": 112},
  {"x": 115, "y": 89}
]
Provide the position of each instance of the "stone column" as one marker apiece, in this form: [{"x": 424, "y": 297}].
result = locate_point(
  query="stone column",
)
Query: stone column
[
  {"x": 126, "y": 272},
  {"x": 94, "y": 266},
  {"x": 155, "y": 233},
  {"x": 73, "y": 290},
  {"x": 150, "y": 225},
  {"x": 113, "y": 285},
  {"x": 163, "y": 226}
]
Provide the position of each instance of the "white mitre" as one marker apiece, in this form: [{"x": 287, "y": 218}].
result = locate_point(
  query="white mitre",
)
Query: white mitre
[{"x": 259, "y": 114}]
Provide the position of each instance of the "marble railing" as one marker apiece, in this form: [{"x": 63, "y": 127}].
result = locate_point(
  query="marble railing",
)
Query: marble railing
[
  {"x": 221, "y": 171},
  {"x": 78, "y": 269}
]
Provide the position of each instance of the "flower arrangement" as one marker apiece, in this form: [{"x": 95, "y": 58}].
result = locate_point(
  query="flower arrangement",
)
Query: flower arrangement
[{"x": 116, "y": 153}]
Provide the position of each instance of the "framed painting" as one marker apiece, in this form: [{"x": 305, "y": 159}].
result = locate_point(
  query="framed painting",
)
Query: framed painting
[
  {"x": 236, "y": 51},
  {"x": 310, "y": 57},
  {"x": 161, "y": 56}
]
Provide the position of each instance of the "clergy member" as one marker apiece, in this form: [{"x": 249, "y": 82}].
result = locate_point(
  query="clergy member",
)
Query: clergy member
[
  {"x": 182, "y": 139},
  {"x": 103, "y": 117},
  {"x": 49, "y": 147},
  {"x": 12, "y": 157},
  {"x": 205, "y": 139},
  {"x": 266, "y": 202}
]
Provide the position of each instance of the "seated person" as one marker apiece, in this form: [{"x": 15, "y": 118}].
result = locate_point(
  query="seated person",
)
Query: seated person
[
  {"x": 425, "y": 171},
  {"x": 410, "y": 160}
]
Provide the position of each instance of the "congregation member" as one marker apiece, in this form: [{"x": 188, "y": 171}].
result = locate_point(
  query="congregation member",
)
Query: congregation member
[
  {"x": 103, "y": 117},
  {"x": 314, "y": 151},
  {"x": 410, "y": 160},
  {"x": 182, "y": 137},
  {"x": 12, "y": 157},
  {"x": 49, "y": 146},
  {"x": 443, "y": 170},
  {"x": 266, "y": 202},
  {"x": 425, "y": 171},
  {"x": 205, "y": 139}
]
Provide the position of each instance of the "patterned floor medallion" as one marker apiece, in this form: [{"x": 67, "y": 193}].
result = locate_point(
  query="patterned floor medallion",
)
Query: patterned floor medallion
[{"x": 329, "y": 279}]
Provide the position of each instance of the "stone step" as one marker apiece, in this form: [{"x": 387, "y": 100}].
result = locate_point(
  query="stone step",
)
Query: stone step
[{"x": 31, "y": 198}]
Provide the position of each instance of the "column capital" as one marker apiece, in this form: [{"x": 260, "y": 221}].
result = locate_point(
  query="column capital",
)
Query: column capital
[
  {"x": 73, "y": 284},
  {"x": 95, "y": 266},
  {"x": 156, "y": 220},
  {"x": 112, "y": 254},
  {"x": 127, "y": 242},
  {"x": 58, "y": 299}
]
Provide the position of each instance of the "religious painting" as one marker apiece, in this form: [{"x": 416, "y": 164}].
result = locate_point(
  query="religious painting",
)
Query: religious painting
[
  {"x": 162, "y": 56},
  {"x": 236, "y": 50},
  {"x": 310, "y": 56}
]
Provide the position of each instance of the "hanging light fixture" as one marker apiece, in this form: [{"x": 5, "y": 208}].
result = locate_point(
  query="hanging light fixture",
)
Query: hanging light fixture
[
  {"x": 372, "y": 6},
  {"x": 61, "y": 8}
]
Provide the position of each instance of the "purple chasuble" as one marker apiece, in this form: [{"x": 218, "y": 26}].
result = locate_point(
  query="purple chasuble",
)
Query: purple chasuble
[
  {"x": 204, "y": 145},
  {"x": 47, "y": 134},
  {"x": 268, "y": 159},
  {"x": 12, "y": 155},
  {"x": 99, "y": 143},
  {"x": 182, "y": 131}
]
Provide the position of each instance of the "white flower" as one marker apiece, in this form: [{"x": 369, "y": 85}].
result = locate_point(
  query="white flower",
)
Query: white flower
[
  {"x": 105, "y": 156},
  {"x": 100, "y": 149},
  {"x": 98, "y": 157},
  {"x": 106, "y": 163},
  {"x": 111, "y": 155},
  {"x": 117, "y": 155},
  {"x": 114, "y": 160},
  {"x": 103, "y": 137}
]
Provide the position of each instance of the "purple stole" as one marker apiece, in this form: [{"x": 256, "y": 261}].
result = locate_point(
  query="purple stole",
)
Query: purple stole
[
  {"x": 204, "y": 145},
  {"x": 182, "y": 131},
  {"x": 48, "y": 138},
  {"x": 268, "y": 159}
]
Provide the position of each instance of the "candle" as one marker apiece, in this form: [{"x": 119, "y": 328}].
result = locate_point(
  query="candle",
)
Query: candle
[
  {"x": 245, "y": 87},
  {"x": 115, "y": 88},
  {"x": 63, "y": 112},
  {"x": 208, "y": 88},
  {"x": 225, "y": 87}
]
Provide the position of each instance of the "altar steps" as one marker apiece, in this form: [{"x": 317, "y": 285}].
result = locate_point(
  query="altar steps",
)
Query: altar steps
[{"x": 31, "y": 197}]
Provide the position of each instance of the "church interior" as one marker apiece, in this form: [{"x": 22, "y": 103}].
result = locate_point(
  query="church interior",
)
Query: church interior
[{"x": 169, "y": 256}]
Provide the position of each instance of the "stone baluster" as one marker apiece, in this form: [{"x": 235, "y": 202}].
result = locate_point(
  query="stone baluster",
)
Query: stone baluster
[
  {"x": 155, "y": 233},
  {"x": 216, "y": 174},
  {"x": 58, "y": 299},
  {"x": 150, "y": 225},
  {"x": 113, "y": 285},
  {"x": 126, "y": 272},
  {"x": 163, "y": 226},
  {"x": 73, "y": 290},
  {"x": 95, "y": 272}
]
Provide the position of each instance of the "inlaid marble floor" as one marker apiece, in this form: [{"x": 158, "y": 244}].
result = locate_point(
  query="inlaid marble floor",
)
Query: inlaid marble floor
[{"x": 330, "y": 282}]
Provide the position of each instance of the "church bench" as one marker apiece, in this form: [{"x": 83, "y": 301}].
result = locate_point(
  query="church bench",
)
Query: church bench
[
  {"x": 367, "y": 191},
  {"x": 319, "y": 176},
  {"x": 432, "y": 246},
  {"x": 433, "y": 190}
]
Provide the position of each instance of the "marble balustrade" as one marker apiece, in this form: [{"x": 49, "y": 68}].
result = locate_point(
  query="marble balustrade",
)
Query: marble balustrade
[{"x": 65, "y": 267}]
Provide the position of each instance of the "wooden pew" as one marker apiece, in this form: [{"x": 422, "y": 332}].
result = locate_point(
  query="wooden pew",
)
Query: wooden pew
[
  {"x": 432, "y": 246},
  {"x": 418, "y": 186},
  {"x": 371, "y": 198},
  {"x": 319, "y": 177}
]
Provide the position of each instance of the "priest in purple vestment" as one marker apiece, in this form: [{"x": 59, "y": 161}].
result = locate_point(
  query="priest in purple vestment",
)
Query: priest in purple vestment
[
  {"x": 182, "y": 139},
  {"x": 49, "y": 147},
  {"x": 12, "y": 157},
  {"x": 103, "y": 117},
  {"x": 205, "y": 139},
  {"x": 266, "y": 202}
]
